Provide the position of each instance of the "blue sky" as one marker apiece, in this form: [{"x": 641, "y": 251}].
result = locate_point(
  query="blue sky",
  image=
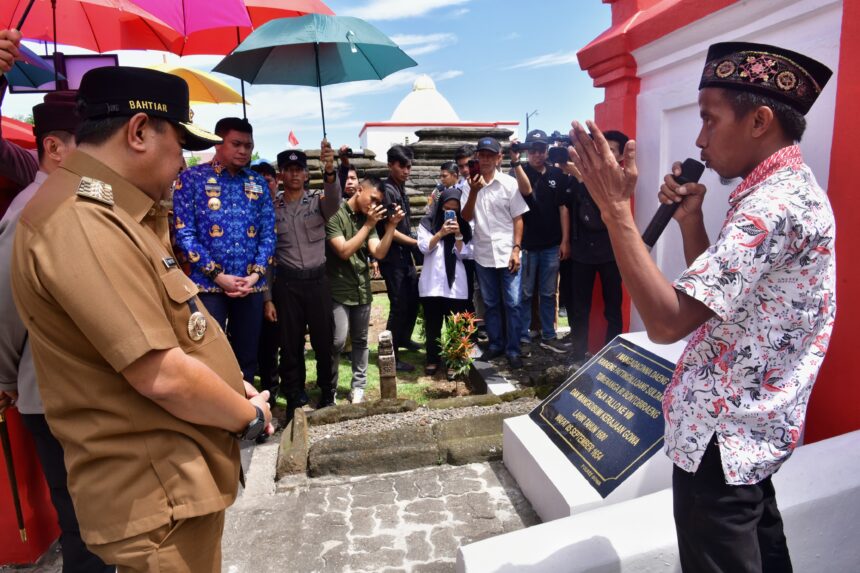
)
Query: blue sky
[{"x": 494, "y": 60}]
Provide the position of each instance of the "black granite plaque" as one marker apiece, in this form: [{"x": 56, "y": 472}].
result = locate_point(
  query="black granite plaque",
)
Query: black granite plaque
[{"x": 608, "y": 417}]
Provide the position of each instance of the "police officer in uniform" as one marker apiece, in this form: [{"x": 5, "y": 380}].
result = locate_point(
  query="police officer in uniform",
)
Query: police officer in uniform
[
  {"x": 138, "y": 381},
  {"x": 301, "y": 292}
]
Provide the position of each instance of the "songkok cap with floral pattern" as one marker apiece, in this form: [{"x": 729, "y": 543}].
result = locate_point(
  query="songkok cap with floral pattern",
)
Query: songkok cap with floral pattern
[{"x": 781, "y": 74}]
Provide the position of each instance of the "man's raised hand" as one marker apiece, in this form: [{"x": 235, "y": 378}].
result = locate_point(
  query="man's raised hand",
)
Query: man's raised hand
[
  {"x": 610, "y": 185},
  {"x": 9, "y": 42}
]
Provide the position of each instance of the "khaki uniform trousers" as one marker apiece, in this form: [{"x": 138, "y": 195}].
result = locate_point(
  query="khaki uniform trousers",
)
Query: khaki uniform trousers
[{"x": 189, "y": 545}]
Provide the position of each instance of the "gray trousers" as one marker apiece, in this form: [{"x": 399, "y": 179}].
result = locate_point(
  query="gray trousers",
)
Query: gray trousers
[{"x": 354, "y": 320}]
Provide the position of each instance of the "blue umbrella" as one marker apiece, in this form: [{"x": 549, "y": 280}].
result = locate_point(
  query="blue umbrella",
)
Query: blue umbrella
[
  {"x": 315, "y": 50},
  {"x": 32, "y": 71}
]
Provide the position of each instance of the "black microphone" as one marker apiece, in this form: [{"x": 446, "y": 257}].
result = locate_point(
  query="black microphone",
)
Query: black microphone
[{"x": 691, "y": 171}]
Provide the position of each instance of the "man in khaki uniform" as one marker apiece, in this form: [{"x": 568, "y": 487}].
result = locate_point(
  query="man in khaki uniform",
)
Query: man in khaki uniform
[{"x": 138, "y": 381}]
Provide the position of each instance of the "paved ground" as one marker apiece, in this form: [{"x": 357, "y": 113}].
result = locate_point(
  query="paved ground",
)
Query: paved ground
[{"x": 410, "y": 521}]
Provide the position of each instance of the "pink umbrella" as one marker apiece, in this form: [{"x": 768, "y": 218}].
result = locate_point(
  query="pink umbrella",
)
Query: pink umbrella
[
  {"x": 208, "y": 27},
  {"x": 189, "y": 16},
  {"x": 205, "y": 26}
]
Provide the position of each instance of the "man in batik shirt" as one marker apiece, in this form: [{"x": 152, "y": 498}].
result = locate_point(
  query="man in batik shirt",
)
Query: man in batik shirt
[
  {"x": 225, "y": 224},
  {"x": 759, "y": 302}
]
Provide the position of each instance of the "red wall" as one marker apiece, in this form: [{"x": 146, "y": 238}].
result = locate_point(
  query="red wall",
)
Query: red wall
[{"x": 833, "y": 408}]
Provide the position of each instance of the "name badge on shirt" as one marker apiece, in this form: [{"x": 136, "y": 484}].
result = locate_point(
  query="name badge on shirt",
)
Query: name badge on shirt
[{"x": 169, "y": 262}]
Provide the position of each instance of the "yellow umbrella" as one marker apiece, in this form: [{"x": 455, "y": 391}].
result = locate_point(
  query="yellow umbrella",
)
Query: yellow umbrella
[{"x": 203, "y": 87}]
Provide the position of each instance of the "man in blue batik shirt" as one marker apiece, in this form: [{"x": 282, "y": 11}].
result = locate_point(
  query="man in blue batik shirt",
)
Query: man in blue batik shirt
[{"x": 225, "y": 224}]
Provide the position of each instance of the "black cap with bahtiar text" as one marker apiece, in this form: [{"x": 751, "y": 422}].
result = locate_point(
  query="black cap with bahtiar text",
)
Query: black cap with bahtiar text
[{"x": 125, "y": 91}]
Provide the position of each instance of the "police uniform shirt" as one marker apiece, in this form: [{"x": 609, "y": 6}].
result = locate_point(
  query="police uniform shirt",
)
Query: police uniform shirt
[
  {"x": 97, "y": 287},
  {"x": 224, "y": 221},
  {"x": 300, "y": 226}
]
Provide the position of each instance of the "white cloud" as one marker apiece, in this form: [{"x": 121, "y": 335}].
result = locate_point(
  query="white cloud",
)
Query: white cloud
[
  {"x": 449, "y": 75},
  {"x": 399, "y": 9},
  {"x": 417, "y": 44},
  {"x": 547, "y": 61}
]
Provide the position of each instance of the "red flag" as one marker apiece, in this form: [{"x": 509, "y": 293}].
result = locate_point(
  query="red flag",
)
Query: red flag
[{"x": 293, "y": 139}]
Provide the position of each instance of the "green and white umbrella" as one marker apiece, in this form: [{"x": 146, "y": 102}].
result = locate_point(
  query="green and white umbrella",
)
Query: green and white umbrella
[{"x": 315, "y": 50}]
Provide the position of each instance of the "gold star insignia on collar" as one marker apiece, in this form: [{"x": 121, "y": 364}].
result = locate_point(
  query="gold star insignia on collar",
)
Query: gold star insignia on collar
[{"x": 96, "y": 190}]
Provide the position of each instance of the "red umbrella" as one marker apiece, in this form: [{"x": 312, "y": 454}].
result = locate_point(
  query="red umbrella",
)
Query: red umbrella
[
  {"x": 18, "y": 132},
  {"x": 222, "y": 40},
  {"x": 98, "y": 25}
]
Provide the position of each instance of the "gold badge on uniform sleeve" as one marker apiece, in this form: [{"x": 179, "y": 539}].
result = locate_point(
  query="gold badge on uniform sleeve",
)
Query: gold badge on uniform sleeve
[
  {"x": 96, "y": 190},
  {"x": 196, "y": 326},
  {"x": 214, "y": 203}
]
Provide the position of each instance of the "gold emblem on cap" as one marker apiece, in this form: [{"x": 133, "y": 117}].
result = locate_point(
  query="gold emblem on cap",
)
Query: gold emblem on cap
[
  {"x": 214, "y": 203},
  {"x": 725, "y": 69},
  {"x": 196, "y": 326},
  {"x": 96, "y": 190}
]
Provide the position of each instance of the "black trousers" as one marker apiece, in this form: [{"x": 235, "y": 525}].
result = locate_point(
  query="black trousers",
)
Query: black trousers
[
  {"x": 267, "y": 356},
  {"x": 304, "y": 305},
  {"x": 579, "y": 304},
  {"x": 76, "y": 557},
  {"x": 727, "y": 528},
  {"x": 401, "y": 282},
  {"x": 436, "y": 309}
]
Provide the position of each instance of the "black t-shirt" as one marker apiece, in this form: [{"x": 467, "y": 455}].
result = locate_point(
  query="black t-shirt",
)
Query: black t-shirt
[
  {"x": 395, "y": 195},
  {"x": 542, "y": 224},
  {"x": 589, "y": 238}
]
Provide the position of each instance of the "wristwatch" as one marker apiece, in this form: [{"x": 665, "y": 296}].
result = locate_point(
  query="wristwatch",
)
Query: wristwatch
[{"x": 255, "y": 427}]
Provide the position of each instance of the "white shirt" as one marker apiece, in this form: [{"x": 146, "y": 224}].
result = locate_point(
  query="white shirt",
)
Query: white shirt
[
  {"x": 496, "y": 207},
  {"x": 434, "y": 279}
]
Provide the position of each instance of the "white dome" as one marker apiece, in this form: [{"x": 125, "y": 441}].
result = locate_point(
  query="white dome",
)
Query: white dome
[{"x": 424, "y": 105}]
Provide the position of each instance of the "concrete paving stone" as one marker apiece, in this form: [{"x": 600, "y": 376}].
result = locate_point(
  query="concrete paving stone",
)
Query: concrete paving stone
[
  {"x": 437, "y": 567},
  {"x": 405, "y": 487},
  {"x": 444, "y": 543},
  {"x": 362, "y": 521},
  {"x": 461, "y": 486},
  {"x": 425, "y": 505},
  {"x": 328, "y": 519},
  {"x": 417, "y": 546},
  {"x": 426, "y": 518},
  {"x": 373, "y": 499},
  {"x": 388, "y": 516},
  {"x": 372, "y": 543},
  {"x": 428, "y": 486},
  {"x": 373, "y": 562},
  {"x": 477, "y": 505},
  {"x": 375, "y": 485},
  {"x": 475, "y": 529},
  {"x": 338, "y": 498},
  {"x": 314, "y": 500}
]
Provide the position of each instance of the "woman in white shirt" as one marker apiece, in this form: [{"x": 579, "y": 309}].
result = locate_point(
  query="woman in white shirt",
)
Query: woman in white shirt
[{"x": 444, "y": 239}]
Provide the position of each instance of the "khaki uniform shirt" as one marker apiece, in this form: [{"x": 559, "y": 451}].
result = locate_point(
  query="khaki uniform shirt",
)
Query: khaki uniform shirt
[{"x": 97, "y": 288}]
